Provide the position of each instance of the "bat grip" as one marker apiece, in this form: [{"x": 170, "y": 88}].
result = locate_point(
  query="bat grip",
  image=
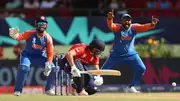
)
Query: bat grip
[{"x": 84, "y": 72}]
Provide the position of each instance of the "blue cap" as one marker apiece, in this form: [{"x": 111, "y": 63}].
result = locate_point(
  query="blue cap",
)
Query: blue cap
[{"x": 125, "y": 15}]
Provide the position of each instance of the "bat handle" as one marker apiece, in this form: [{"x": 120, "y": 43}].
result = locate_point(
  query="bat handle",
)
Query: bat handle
[{"x": 84, "y": 72}]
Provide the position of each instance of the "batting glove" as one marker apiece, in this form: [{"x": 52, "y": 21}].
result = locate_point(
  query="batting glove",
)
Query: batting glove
[
  {"x": 98, "y": 80},
  {"x": 75, "y": 72},
  {"x": 14, "y": 32}
]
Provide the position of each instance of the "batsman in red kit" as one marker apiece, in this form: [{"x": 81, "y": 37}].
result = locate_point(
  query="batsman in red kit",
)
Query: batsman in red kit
[{"x": 82, "y": 57}]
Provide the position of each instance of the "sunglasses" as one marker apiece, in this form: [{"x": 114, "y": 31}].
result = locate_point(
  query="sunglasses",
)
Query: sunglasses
[{"x": 42, "y": 23}]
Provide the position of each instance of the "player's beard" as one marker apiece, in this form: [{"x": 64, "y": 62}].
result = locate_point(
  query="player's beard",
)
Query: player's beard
[
  {"x": 126, "y": 26},
  {"x": 40, "y": 32},
  {"x": 41, "y": 29},
  {"x": 126, "y": 23}
]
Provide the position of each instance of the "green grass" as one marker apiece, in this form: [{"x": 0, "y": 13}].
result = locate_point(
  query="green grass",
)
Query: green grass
[{"x": 97, "y": 97}]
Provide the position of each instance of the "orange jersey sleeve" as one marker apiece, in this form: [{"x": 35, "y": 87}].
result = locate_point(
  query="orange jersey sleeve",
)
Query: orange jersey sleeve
[
  {"x": 49, "y": 48},
  {"x": 114, "y": 27},
  {"x": 142, "y": 27},
  {"x": 25, "y": 35}
]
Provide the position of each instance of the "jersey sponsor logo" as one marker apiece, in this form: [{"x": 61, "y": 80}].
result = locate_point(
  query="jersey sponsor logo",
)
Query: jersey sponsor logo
[
  {"x": 126, "y": 38},
  {"x": 77, "y": 50},
  {"x": 35, "y": 46},
  {"x": 86, "y": 59}
]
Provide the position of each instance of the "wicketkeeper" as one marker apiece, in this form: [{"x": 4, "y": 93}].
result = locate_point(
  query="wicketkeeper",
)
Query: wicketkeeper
[{"x": 38, "y": 50}]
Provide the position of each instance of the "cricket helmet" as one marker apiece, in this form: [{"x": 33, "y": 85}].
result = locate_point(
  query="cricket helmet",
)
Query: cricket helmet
[
  {"x": 41, "y": 24},
  {"x": 97, "y": 46}
]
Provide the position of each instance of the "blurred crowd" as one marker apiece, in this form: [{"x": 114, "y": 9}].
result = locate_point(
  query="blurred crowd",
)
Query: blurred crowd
[
  {"x": 78, "y": 7},
  {"x": 33, "y": 8}
]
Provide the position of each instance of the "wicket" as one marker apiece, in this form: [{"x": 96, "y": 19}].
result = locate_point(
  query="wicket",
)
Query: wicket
[{"x": 59, "y": 77}]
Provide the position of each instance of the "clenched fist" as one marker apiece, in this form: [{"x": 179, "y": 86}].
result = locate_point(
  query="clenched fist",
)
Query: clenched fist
[
  {"x": 154, "y": 21},
  {"x": 110, "y": 15}
]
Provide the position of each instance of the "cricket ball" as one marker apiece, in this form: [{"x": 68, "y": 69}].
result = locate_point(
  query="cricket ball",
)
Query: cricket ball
[{"x": 174, "y": 84}]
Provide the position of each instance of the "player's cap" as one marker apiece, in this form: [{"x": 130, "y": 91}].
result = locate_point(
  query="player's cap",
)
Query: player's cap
[{"x": 125, "y": 15}]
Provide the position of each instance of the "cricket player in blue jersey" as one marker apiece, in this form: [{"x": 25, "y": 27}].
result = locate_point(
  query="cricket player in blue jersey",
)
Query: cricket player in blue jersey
[
  {"x": 123, "y": 48},
  {"x": 39, "y": 50}
]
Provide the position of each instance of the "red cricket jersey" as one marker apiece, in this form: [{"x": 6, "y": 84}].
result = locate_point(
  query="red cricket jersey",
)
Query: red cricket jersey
[{"x": 83, "y": 53}]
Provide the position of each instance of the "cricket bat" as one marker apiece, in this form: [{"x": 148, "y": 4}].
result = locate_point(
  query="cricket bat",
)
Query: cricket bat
[{"x": 102, "y": 72}]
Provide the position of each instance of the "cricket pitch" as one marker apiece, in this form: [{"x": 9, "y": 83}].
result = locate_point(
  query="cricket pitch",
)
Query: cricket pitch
[{"x": 97, "y": 97}]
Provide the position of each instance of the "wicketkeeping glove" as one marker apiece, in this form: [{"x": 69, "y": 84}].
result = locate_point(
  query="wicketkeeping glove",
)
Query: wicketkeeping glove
[
  {"x": 14, "y": 32},
  {"x": 47, "y": 69}
]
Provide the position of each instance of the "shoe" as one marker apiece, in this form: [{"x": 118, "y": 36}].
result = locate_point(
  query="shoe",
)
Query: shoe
[
  {"x": 83, "y": 93},
  {"x": 17, "y": 93},
  {"x": 47, "y": 71},
  {"x": 132, "y": 89},
  {"x": 50, "y": 92}
]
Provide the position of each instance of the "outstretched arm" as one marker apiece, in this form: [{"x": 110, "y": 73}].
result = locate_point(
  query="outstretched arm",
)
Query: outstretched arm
[
  {"x": 142, "y": 27},
  {"x": 145, "y": 27},
  {"x": 114, "y": 27},
  {"x": 14, "y": 33}
]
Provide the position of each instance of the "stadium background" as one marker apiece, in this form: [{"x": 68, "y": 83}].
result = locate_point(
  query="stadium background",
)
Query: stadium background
[{"x": 80, "y": 21}]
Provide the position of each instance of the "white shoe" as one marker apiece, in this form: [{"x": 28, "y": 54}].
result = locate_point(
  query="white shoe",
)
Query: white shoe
[
  {"x": 17, "y": 93},
  {"x": 83, "y": 93},
  {"x": 50, "y": 92},
  {"x": 47, "y": 71},
  {"x": 133, "y": 90}
]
